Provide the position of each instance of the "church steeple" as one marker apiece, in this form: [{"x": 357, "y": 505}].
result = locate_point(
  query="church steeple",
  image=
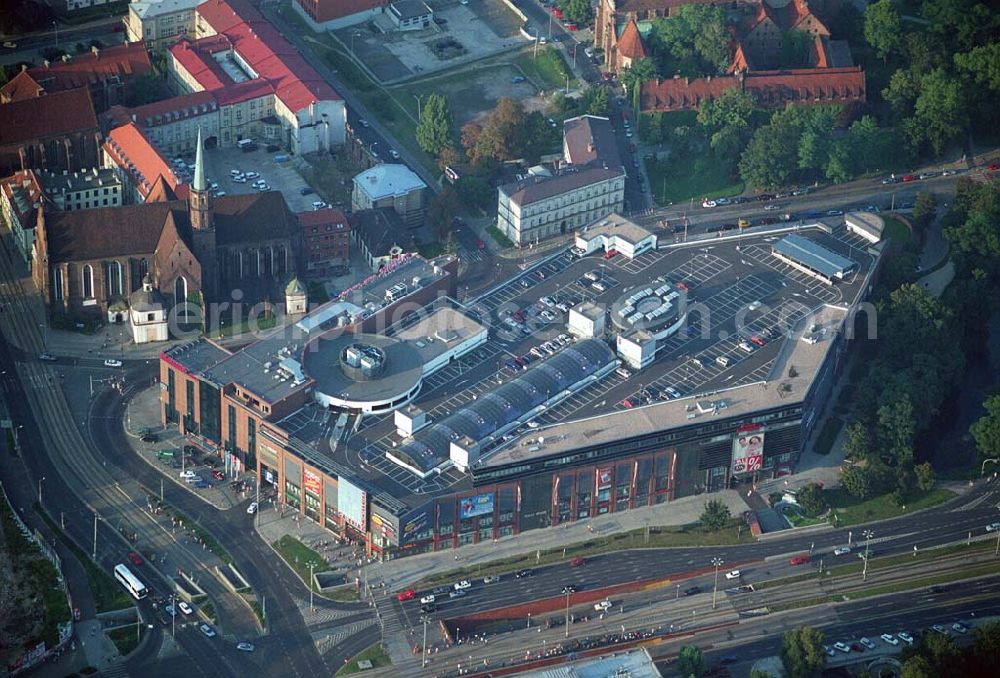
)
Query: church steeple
[{"x": 200, "y": 200}]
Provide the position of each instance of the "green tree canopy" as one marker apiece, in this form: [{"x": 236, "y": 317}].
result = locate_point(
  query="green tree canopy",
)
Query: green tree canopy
[
  {"x": 641, "y": 71},
  {"x": 691, "y": 662},
  {"x": 917, "y": 667},
  {"x": 986, "y": 430},
  {"x": 731, "y": 109},
  {"x": 883, "y": 28},
  {"x": 716, "y": 514},
  {"x": 802, "y": 652},
  {"x": 434, "y": 127},
  {"x": 982, "y": 65},
  {"x": 771, "y": 157},
  {"x": 924, "y": 476},
  {"x": 940, "y": 109},
  {"x": 810, "y": 499},
  {"x": 694, "y": 42}
]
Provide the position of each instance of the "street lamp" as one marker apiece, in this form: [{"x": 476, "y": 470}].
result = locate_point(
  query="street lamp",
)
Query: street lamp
[
  {"x": 353, "y": 35},
  {"x": 717, "y": 562},
  {"x": 567, "y": 607},
  {"x": 867, "y": 534},
  {"x": 312, "y": 565},
  {"x": 40, "y": 480},
  {"x": 420, "y": 114}
]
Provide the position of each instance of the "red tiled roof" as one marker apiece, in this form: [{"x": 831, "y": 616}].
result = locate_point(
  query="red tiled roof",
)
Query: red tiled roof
[
  {"x": 23, "y": 191},
  {"x": 630, "y": 43},
  {"x": 127, "y": 61},
  {"x": 741, "y": 62},
  {"x": 22, "y": 86},
  {"x": 267, "y": 52},
  {"x": 47, "y": 116},
  {"x": 771, "y": 88},
  {"x": 244, "y": 91},
  {"x": 129, "y": 148},
  {"x": 198, "y": 62},
  {"x": 170, "y": 110},
  {"x": 321, "y": 217}
]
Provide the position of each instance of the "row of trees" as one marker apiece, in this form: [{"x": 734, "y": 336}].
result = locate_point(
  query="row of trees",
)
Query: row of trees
[
  {"x": 947, "y": 80},
  {"x": 921, "y": 354}
]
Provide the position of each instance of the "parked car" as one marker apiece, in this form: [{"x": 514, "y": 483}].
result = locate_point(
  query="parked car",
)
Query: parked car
[
  {"x": 48, "y": 357},
  {"x": 207, "y": 630},
  {"x": 569, "y": 588},
  {"x": 690, "y": 591},
  {"x": 603, "y": 606},
  {"x": 408, "y": 594},
  {"x": 428, "y": 599},
  {"x": 959, "y": 627},
  {"x": 734, "y": 574},
  {"x": 134, "y": 558},
  {"x": 456, "y": 594},
  {"x": 245, "y": 646},
  {"x": 185, "y": 608},
  {"x": 993, "y": 527},
  {"x": 492, "y": 579},
  {"x": 521, "y": 574},
  {"x": 867, "y": 643},
  {"x": 905, "y": 637},
  {"x": 889, "y": 638},
  {"x": 111, "y": 362},
  {"x": 843, "y": 647}
]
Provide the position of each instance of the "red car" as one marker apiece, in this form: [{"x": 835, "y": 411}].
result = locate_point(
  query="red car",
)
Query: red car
[
  {"x": 135, "y": 558},
  {"x": 994, "y": 167},
  {"x": 682, "y": 286},
  {"x": 218, "y": 475},
  {"x": 571, "y": 27},
  {"x": 910, "y": 177},
  {"x": 755, "y": 339},
  {"x": 799, "y": 560},
  {"x": 408, "y": 594},
  {"x": 480, "y": 245},
  {"x": 578, "y": 561},
  {"x": 610, "y": 254},
  {"x": 626, "y": 403},
  {"x": 557, "y": 13}
]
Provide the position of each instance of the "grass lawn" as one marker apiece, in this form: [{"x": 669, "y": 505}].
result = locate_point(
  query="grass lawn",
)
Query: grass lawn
[
  {"x": 798, "y": 520},
  {"x": 126, "y": 639},
  {"x": 850, "y": 511},
  {"x": 108, "y": 594},
  {"x": 897, "y": 230},
  {"x": 298, "y": 556},
  {"x": 689, "y": 177},
  {"x": 344, "y": 594},
  {"x": 499, "y": 237},
  {"x": 547, "y": 71},
  {"x": 658, "y": 537},
  {"x": 827, "y": 435},
  {"x": 376, "y": 654}
]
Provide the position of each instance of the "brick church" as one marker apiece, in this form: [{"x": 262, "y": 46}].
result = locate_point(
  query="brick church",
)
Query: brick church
[{"x": 87, "y": 263}]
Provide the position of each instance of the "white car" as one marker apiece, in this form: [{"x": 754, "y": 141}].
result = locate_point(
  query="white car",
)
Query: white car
[
  {"x": 492, "y": 579},
  {"x": 753, "y": 305},
  {"x": 111, "y": 362},
  {"x": 48, "y": 357},
  {"x": 993, "y": 527},
  {"x": 842, "y": 550},
  {"x": 770, "y": 207},
  {"x": 252, "y": 175},
  {"x": 940, "y": 628},
  {"x": 394, "y": 153},
  {"x": 245, "y": 647},
  {"x": 187, "y": 474},
  {"x": 264, "y": 188},
  {"x": 185, "y": 608},
  {"x": 428, "y": 599},
  {"x": 207, "y": 630},
  {"x": 191, "y": 480},
  {"x": 547, "y": 301},
  {"x": 603, "y": 606},
  {"x": 959, "y": 627},
  {"x": 235, "y": 172},
  {"x": 239, "y": 180},
  {"x": 889, "y": 638},
  {"x": 672, "y": 392},
  {"x": 735, "y": 574},
  {"x": 867, "y": 643},
  {"x": 905, "y": 637},
  {"x": 462, "y": 585},
  {"x": 843, "y": 647},
  {"x": 709, "y": 203},
  {"x": 252, "y": 508}
]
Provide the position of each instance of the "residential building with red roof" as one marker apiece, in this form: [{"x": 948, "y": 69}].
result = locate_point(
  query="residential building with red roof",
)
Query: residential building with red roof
[
  {"x": 107, "y": 72},
  {"x": 55, "y": 131},
  {"x": 326, "y": 15},
  {"x": 326, "y": 241},
  {"x": 21, "y": 196},
  {"x": 261, "y": 84},
  {"x": 629, "y": 47},
  {"x": 772, "y": 89},
  {"x": 138, "y": 163}
]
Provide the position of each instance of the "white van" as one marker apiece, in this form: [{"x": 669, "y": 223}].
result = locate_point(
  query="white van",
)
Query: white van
[{"x": 723, "y": 361}]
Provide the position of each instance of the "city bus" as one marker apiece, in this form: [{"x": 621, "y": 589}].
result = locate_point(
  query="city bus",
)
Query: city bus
[{"x": 130, "y": 582}]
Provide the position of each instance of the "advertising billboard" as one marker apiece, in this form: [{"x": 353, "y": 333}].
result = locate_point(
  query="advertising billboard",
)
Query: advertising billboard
[
  {"x": 480, "y": 505},
  {"x": 311, "y": 482},
  {"x": 415, "y": 523},
  {"x": 748, "y": 449},
  {"x": 604, "y": 478},
  {"x": 352, "y": 503}
]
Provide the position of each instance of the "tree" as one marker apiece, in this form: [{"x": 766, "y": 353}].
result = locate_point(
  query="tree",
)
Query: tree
[
  {"x": 940, "y": 109},
  {"x": 733, "y": 109},
  {"x": 863, "y": 482},
  {"x": 796, "y": 47},
  {"x": 640, "y": 71},
  {"x": 691, "y": 662},
  {"x": 986, "y": 430},
  {"x": 771, "y": 157},
  {"x": 716, "y": 514},
  {"x": 575, "y": 11},
  {"x": 448, "y": 157},
  {"x": 600, "y": 101},
  {"x": 146, "y": 89},
  {"x": 917, "y": 667},
  {"x": 476, "y": 192},
  {"x": 810, "y": 499},
  {"x": 802, "y": 652},
  {"x": 858, "y": 441},
  {"x": 441, "y": 212},
  {"x": 470, "y": 137},
  {"x": 434, "y": 127},
  {"x": 924, "y": 476},
  {"x": 883, "y": 28},
  {"x": 982, "y": 65},
  {"x": 760, "y": 673},
  {"x": 694, "y": 42},
  {"x": 897, "y": 430},
  {"x": 924, "y": 210},
  {"x": 940, "y": 651}
]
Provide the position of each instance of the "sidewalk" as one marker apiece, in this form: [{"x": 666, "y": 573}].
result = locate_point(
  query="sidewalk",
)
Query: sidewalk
[{"x": 405, "y": 571}]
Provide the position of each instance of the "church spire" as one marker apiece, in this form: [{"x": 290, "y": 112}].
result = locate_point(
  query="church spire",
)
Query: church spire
[{"x": 199, "y": 166}]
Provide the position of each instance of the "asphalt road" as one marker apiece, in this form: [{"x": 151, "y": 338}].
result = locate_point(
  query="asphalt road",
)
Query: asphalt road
[
  {"x": 759, "y": 561},
  {"x": 29, "y": 46}
]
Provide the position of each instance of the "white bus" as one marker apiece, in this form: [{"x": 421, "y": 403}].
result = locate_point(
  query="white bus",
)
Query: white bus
[{"x": 129, "y": 581}]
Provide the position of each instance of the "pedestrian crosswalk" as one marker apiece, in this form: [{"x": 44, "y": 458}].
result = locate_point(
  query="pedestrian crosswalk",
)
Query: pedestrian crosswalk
[
  {"x": 327, "y": 639},
  {"x": 321, "y": 615}
]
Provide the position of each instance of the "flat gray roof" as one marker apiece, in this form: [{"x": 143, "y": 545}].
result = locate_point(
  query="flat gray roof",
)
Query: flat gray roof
[
  {"x": 779, "y": 389},
  {"x": 403, "y": 367},
  {"x": 255, "y": 368},
  {"x": 813, "y": 256},
  {"x": 614, "y": 224},
  {"x": 446, "y": 329},
  {"x": 198, "y": 355},
  {"x": 631, "y": 664}
]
